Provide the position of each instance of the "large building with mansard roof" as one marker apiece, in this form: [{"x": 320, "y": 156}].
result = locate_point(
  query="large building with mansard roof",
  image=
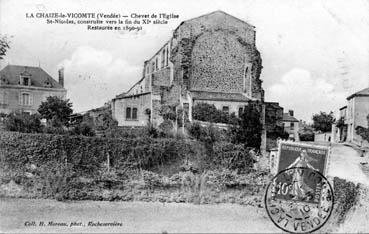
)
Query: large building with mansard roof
[{"x": 23, "y": 88}]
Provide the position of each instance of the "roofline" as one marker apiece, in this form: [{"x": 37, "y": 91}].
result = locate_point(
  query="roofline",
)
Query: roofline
[
  {"x": 285, "y": 120},
  {"x": 130, "y": 96},
  {"x": 343, "y": 107},
  {"x": 358, "y": 94},
  {"x": 222, "y": 99},
  {"x": 135, "y": 84},
  {"x": 33, "y": 87},
  {"x": 250, "y": 25},
  {"x": 159, "y": 49}
]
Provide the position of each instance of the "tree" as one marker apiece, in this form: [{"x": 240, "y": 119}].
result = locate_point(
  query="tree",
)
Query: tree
[
  {"x": 56, "y": 111},
  {"x": 323, "y": 121},
  {"x": 249, "y": 127},
  {"x": 4, "y": 46}
]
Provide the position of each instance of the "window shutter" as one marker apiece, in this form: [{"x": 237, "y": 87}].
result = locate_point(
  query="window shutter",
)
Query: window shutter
[
  {"x": 20, "y": 98},
  {"x": 30, "y": 99}
]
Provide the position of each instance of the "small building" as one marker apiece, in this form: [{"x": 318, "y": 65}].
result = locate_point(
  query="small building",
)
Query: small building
[
  {"x": 291, "y": 125},
  {"x": 23, "y": 88},
  {"x": 354, "y": 114}
]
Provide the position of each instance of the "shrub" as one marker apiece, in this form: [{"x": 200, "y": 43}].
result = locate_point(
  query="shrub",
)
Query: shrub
[
  {"x": 23, "y": 122},
  {"x": 363, "y": 132},
  {"x": 232, "y": 156},
  {"x": 209, "y": 113},
  {"x": 249, "y": 127},
  {"x": 83, "y": 128},
  {"x": 306, "y": 134}
]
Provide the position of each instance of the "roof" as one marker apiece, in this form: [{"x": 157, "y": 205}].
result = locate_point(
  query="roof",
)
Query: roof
[
  {"x": 362, "y": 93},
  {"x": 218, "y": 96},
  {"x": 344, "y": 107},
  {"x": 39, "y": 77},
  {"x": 289, "y": 118},
  {"x": 219, "y": 12}
]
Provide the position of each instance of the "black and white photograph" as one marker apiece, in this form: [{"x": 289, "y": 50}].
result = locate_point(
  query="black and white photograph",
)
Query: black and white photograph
[{"x": 173, "y": 116}]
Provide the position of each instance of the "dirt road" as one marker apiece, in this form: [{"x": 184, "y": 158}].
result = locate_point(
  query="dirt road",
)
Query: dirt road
[
  {"x": 134, "y": 217},
  {"x": 345, "y": 164}
]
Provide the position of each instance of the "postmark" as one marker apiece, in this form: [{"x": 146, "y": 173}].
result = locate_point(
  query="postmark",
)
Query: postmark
[{"x": 299, "y": 200}]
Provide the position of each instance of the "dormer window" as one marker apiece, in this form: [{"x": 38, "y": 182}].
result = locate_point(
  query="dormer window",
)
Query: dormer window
[{"x": 25, "y": 80}]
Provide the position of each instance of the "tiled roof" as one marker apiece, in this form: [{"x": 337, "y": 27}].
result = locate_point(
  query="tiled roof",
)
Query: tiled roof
[
  {"x": 218, "y": 96},
  {"x": 364, "y": 92},
  {"x": 289, "y": 118},
  {"x": 11, "y": 74}
]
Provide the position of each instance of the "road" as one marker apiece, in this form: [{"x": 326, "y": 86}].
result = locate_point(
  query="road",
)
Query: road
[
  {"x": 134, "y": 216},
  {"x": 345, "y": 163}
]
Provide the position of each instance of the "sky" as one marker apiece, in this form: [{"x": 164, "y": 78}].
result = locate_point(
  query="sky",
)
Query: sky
[{"x": 315, "y": 53}]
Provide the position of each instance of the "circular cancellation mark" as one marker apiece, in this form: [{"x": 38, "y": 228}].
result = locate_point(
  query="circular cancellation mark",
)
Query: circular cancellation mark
[{"x": 299, "y": 200}]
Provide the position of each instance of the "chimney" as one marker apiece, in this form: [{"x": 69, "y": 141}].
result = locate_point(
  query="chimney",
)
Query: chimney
[
  {"x": 61, "y": 76},
  {"x": 290, "y": 112}
]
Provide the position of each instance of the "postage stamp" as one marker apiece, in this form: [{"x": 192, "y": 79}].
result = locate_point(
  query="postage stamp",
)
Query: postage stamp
[
  {"x": 302, "y": 188},
  {"x": 287, "y": 206}
]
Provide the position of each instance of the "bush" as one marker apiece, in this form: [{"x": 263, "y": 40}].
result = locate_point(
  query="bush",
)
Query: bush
[
  {"x": 363, "y": 132},
  {"x": 232, "y": 156},
  {"x": 23, "y": 122},
  {"x": 84, "y": 129},
  {"x": 306, "y": 134},
  {"x": 248, "y": 129},
  {"x": 209, "y": 113}
]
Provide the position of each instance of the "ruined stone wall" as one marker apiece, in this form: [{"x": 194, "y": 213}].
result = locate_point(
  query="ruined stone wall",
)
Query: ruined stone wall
[
  {"x": 161, "y": 77},
  {"x": 210, "y": 53}
]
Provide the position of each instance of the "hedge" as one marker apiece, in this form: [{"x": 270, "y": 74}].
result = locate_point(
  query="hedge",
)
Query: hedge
[{"x": 87, "y": 154}]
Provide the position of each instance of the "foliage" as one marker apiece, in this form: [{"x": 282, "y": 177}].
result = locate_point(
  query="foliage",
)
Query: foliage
[
  {"x": 4, "y": 46},
  {"x": 23, "y": 122},
  {"x": 174, "y": 114},
  {"x": 56, "y": 111},
  {"x": 168, "y": 112},
  {"x": 340, "y": 123},
  {"x": 207, "y": 135},
  {"x": 249, "y": 127},
  {"x": 166, "y": 127},
  {"x": 87, "y": 154},
  {"x": 278, "y": 132},
  {"x": 306, "y": 134},
  {"x": 345, "y": 194},
  {"x": 232, "y": 156},
  {"x": 323, "y": 121},
  {"x": 83, "y": 128},
  {"x": 209, "y": 113},
  {"x": 363, "y": 132},
  {"x": 105, "y": 120}
]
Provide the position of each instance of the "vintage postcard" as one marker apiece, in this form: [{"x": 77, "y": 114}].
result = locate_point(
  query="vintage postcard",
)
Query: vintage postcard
[{"x": 172, "y": 116}]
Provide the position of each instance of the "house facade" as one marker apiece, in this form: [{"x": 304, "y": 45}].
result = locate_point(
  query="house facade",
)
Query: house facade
[
  {"x": 212, "y": 58},
  {"x": 23, "y": 88},
  {"x": 354, "y": 114},
  {"x": 291, "y": 125}
]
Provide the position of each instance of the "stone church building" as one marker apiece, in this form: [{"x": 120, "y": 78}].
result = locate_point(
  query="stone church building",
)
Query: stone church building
[{"x": 212, "y": 58}]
